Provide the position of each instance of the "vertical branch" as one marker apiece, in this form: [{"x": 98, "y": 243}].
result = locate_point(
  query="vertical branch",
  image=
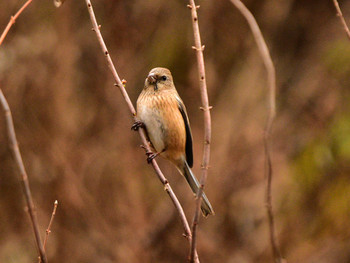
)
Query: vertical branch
[
  {"x": 341, "y": 17},
  {"x": 120, "y": 85},
  {"x": 16, "y": 152},
  {"x": 25, "y": 183},
  {"x": 271, "y": 78},
  {"x": 207, "y": 121}
]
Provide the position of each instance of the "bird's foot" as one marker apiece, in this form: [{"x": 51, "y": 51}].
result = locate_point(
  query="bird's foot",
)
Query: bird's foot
[
  {"x": 137, "y": 125},
  {"x": 151, "y": 156}
]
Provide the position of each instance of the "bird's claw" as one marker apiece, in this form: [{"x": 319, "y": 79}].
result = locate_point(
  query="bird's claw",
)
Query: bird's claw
[
  {"x": 137, "y": 125},
  {"x": 151, "y": 156}
]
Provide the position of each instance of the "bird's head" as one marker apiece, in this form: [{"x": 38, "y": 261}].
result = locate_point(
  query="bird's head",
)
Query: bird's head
[{"x": 159, "y": 79}]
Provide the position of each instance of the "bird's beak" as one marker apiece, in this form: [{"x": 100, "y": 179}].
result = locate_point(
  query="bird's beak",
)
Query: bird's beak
[{"x": 151, "y": 78}]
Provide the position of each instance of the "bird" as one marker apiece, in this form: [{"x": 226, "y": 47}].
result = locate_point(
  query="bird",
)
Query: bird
[{"x": 162, "y": 113}]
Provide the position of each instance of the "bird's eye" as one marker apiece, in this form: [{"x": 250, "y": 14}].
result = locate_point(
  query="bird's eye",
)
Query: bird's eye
[{"x": 164, "y": 78}]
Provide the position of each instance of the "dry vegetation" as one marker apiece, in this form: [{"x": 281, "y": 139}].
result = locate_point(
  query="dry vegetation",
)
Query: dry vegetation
[{"x": 73, "y": 128}]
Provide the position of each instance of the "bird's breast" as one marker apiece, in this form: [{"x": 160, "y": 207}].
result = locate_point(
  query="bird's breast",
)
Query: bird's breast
[{"x": 164, "y": 123}]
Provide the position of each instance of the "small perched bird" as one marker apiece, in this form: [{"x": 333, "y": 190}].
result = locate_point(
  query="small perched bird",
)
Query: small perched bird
[{"x": 161, "y": 111}]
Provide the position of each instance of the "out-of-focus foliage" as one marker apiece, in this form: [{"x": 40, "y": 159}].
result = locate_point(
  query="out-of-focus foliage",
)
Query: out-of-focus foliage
[{"x": 74, "y": 131}]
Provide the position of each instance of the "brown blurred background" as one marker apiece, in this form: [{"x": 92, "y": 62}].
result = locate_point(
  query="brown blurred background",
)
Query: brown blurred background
[{"x": 74, "y": 131}]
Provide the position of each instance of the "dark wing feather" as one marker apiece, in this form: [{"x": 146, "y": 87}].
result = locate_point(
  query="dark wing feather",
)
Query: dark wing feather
[{"x": 189, "y": 150}]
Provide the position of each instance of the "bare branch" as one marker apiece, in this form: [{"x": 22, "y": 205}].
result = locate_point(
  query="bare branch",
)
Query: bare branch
[
  {"x": 120, "y": 85},
  {"x": 341, "y": 17},
  {"x": 199, "y": 48},
  {"x": 271, "y": 76},
  {"x": 13, "y": 20},
  {"x": 15, "y": 149},
  {"x": 48, "y": 230},
  {"x": 25, "y": 183}
]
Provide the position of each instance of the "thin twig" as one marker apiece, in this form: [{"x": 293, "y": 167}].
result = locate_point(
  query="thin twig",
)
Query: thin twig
[
  {"x": 25, "y": 183},
  {"x": 13, "y": 20},
  {"x": 48, "y": 230},
  {"x": 341, "y": 17},
  {"x": 207, "y": 123},
  {"x": 271, "y": 78},
  {"x": 16, "y": 152},
  {"x": 142, "y": 134}
]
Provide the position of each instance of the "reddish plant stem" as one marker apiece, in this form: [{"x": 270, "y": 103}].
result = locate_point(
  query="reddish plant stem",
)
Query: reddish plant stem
[
  {"x": 271, "y": 79},
  {"x": 207, "y": 123},
  {"x": 15, "y": 149},
  {"x": 141, "y": 131},
  {"x": 341, "y": 17},
  {"x": 13, "y": 20},
  {"x": 25, "y": 183},
  {"x": 48, "y": 230}
]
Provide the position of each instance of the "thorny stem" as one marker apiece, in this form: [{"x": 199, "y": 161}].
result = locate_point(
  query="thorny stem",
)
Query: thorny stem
[
  {"x": 207, "y": 124},
  {"x": 120, "y": 85}
]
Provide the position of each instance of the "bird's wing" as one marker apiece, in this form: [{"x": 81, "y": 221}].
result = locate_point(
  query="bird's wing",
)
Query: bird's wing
[{"x": 189, "y": 150}]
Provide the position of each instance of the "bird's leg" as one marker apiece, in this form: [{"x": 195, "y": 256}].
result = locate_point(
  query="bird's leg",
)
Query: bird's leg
[
  {"x": 137, "y": 125},
  {"x": 151, "y": 155}
]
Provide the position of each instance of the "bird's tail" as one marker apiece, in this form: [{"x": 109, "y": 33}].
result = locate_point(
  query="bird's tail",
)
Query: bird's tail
[{"x": 194, "y": 184}]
